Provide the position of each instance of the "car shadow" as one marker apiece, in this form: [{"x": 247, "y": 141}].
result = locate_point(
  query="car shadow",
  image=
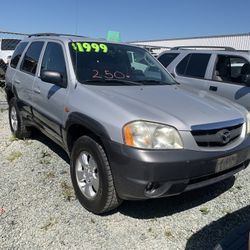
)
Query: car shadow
[
  {"x": 38, "y": 136},
  {"x": 168, "y": 206},
  {"x": 209, "y": 236}
]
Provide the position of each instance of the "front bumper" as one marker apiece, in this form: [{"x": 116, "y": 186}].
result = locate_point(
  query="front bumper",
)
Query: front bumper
[{"x": 143, "y": 174}]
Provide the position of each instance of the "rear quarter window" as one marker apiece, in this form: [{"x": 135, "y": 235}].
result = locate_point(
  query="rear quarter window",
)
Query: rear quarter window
[
  {"x": 9, "y": 44},
  {"x": 167, "y": 58},
  {"x": 17, "y": 54}
]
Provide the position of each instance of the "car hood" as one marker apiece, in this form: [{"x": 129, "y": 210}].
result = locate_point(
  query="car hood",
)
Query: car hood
[{"x": 169, "y": 104}]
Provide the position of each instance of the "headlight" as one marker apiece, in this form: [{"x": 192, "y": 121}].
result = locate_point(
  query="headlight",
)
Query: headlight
[
  {"x": 148, "y": 135},
  {"x": 248, "y": 123}
]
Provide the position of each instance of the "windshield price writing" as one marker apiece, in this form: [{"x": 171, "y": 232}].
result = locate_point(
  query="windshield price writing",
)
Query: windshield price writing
[
  {"x": 109, "y": 75},
  {"x": 90, "y": 47}
]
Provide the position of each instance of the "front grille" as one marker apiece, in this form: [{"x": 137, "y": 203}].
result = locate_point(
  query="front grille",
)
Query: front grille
[{"x": 217, "y": 137}]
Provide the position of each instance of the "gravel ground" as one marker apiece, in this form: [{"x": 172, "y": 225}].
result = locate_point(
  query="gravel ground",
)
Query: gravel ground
[{"x": 38, "y": 209}]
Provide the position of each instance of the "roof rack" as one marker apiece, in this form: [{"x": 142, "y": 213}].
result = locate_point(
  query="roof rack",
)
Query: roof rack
[
  {"x": 150, "y": 46},
  {"x": 204, "y": 47},
  {"x": 54, "y": 34}
]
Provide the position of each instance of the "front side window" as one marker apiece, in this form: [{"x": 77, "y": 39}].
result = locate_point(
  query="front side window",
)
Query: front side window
[
  {"x": 31, "y": 57},
  {"x": 193, "y": 65},
  {"x": 167, "y": 58},
  {"x": 17, "y": 54},
  {"x": 53, "y": 59},
  {"x": 106, "y": 63},
  {"x": 231, "y": 69},
  {"x": 9, "y": 44}
]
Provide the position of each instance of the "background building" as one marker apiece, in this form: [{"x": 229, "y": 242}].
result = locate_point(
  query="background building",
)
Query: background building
[{"x": 237, "y": 41}]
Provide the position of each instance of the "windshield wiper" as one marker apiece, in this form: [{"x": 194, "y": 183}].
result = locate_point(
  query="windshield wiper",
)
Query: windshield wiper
[
  {"x": 126, "y": 82},
  {"x": 154, "y": 81}
]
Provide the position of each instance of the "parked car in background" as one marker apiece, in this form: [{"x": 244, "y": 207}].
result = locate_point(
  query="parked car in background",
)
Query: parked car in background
[
  {"x": 7, "y": 47},
  {"x": 131, "y": 132},
  {"x": 220, "y": 70}
]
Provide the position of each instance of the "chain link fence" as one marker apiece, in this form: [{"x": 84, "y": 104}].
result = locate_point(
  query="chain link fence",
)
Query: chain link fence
[{"x": 8, "y": 43}]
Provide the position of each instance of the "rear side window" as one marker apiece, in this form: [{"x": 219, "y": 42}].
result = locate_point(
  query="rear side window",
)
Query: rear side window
[
  {"x": 193, "y": 65},
  {"x": 17, "y": 54},
  {"x": 167, "y": 58},
  {"x": 30, "y": 60},
  {"x": 9, "y": 44},
  {"x": 53, "y": 59}
]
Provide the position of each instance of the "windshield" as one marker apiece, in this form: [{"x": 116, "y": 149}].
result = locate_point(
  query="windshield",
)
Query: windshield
[
  {"x": 9, "y": 44},
  {"x": 103, "y": 63}
]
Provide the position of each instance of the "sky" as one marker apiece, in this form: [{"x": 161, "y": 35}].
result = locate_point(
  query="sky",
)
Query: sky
[{"x": 134, "y": 19}]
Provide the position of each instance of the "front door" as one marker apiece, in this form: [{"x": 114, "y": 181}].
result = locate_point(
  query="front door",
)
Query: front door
[
  {"x": 229, "y": 79},
  {"x": 50, "y": 98}
]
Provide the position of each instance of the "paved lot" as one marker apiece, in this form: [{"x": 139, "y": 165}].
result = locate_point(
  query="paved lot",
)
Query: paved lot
[{"x": 38, "y": 209}]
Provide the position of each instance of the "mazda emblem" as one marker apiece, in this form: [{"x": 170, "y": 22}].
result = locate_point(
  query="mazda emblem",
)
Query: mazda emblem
[{"x": 224, "y": 136}]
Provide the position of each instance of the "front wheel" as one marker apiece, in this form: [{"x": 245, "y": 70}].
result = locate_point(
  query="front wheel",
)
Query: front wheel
[
  {"x": 91, "y": 176},
  {"x": 17, "y": 126}
]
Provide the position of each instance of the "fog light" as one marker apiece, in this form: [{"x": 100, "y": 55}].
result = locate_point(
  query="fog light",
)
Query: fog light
[{"x": 152, "y": 187}]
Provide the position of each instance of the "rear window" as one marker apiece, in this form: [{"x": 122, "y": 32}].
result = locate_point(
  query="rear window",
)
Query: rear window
[
  {"x": 167, "y": 58},
  {"x": 17, "y": 54},
  {"x": 9, "y": 44},
  {"x": 193, "y": 65}
]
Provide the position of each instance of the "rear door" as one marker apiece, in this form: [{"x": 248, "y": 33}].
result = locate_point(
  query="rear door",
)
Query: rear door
[
  {"x": 24, "y": 77},
  {"x": 228, "y": 78},
  {"x": 49, "y": 98},
  {"x": 192, "y": 70},
  {"x": 13, "y": 67}
]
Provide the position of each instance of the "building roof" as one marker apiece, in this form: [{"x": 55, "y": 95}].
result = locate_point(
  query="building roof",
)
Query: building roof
[{"x": 187, "y": 38}]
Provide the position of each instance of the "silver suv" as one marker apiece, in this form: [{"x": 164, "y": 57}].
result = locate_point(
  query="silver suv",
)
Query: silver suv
[
  {"x": 130, "y": 130},
  {"x": 221, "y": 70}
]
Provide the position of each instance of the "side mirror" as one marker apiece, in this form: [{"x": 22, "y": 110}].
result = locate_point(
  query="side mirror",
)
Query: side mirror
[
  {"x": 246, "y": 80},
  {"x": 53, "y": 77}
]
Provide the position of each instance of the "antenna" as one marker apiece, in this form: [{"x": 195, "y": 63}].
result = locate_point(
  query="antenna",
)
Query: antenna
[
  {"x": 77, "y": 16},
  {"x": 76, "y": 31}
]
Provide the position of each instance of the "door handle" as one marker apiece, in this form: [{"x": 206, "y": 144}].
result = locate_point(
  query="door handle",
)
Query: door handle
[
  {"x": 17, "y": 81},
  {"x": 213, "y": 88},
  {"x": 37, "y": 91}
]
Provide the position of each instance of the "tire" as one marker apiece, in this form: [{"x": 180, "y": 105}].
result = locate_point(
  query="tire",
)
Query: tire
[
  {"x": 17, "y": 127},
  {"x": 91, "y": 176}
]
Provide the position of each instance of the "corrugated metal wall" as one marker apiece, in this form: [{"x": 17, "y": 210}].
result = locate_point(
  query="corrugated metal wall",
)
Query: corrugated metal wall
[{"x": 241, "y": 41}]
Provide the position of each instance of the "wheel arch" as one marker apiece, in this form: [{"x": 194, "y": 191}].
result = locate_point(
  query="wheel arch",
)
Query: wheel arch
[
  {"x": 78, "y": 125},
  {"x": 9, "y": 93}
]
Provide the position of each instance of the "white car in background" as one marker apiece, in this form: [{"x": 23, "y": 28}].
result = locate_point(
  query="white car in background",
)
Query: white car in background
[
  {"x": 7, "y": 47},
  {"x": 223, "y": 71}
]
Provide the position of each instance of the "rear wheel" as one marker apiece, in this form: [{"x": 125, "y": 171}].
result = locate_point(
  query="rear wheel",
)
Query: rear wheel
[
  {"x": 17, "y": 126},
  {"x": 91, "y": 176}
]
